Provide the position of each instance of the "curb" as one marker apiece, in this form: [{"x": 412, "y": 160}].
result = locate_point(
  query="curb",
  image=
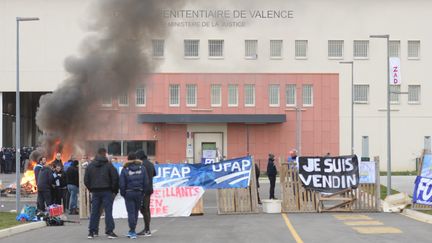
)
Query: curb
[
  {"x": 21, "y": 228},
  {"x": 422, "y": 217}
]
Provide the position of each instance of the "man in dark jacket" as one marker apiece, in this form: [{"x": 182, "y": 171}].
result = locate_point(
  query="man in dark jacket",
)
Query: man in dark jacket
[
  {"x": 145, "y": 209},
  {"x": 102, "y": 180},
  {"x": 133, "y": 185},
  {"x": 41, "y": 163},
  {"x": 271, "y": 173},
  {"x": 72, "y": 186},
  {"x": 257, "y": 175},
  {"x": 57, "y": 161},
  {"x": 44, "y": 185}
]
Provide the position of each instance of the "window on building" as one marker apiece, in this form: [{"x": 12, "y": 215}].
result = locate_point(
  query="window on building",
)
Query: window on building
[
  {"x": 174, "y": 98},
  {"x": 216, "y": 95},
  {"x": 395, "y": 94},
  {"x": 394, "y": 48},
  {"x": 361, "y": 49},
  {"x": 191, "y": 48},
  {"x": 249, "y": 95},
  {"x": 414, "y": 49},
  {"x": 301, "y": 48},
  {"x": 149, "y": 147},
  {"x": 141, "y": 96},
  {"x": 307, "y": 95},
  {"x": 273, "y": 93},
  {"x": 335, "y": 49},
  {"x": 107, "y": 101},
  {"x": 427, "y": 143},
  {"x": 361, "y": 93},
  {"x": 290, "y": 94},
  {"x": 191, "y": 94},
  {"x": 216, "y": 48},
  {"x": 232, "y": 95},
  {"x": 251, "y": 47},
  {"x": 276, "y": 48},
  {"x": 365, "y": 146},
  {"x": 158, "y": 48},
  {"x": 414, "y": 92},
  {"x": 123, "y": 99}
]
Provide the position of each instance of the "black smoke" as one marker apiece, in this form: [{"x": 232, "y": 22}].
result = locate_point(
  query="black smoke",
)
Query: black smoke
[{"x": 115, "y": 55}]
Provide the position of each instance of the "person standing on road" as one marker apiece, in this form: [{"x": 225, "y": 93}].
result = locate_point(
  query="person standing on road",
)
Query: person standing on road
[
  {"x": 145, "y": 209},
  {"x": 271, "y": 173},
  {"x": 38, "y": 167},
  {"x": 72, "y": 180},
  {"x": 44, "y": 186},
  {"x": 102, "y": 180},
  {"x": 133, "y": 185},
  {"x": 257, "y": 175}
]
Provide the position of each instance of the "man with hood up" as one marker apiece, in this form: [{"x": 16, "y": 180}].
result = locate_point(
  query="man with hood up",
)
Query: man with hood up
[
  {"x": 102, "y": 180},
  {"x": 134, "y": 184},
  {"x": 145, "y": 208}
]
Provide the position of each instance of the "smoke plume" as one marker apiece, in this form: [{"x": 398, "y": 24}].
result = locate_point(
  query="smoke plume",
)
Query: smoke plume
[{"x": 114, "y": 55}]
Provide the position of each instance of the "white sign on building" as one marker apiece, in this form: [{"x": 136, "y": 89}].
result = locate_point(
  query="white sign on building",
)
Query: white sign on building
[{"x": 395, "y": 74}]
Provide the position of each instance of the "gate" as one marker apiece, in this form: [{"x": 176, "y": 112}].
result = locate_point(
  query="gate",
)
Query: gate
[{"x": 295, "y": 198}]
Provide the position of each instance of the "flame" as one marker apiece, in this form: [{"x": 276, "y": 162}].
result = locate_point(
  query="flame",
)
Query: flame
[{"x": 28, "y": 181}]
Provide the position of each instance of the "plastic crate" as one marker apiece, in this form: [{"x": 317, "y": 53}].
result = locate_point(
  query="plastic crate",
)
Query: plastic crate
[{"x": 55, "y": 210}]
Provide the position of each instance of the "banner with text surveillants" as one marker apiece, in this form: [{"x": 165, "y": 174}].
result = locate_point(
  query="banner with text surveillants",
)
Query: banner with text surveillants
[{"x": 233, "y": 173}]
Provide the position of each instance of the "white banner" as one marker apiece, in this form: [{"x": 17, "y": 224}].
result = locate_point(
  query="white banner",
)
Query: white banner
[
  {"x": 166, "y": 202},
  {"x": 395, "y": 72}
]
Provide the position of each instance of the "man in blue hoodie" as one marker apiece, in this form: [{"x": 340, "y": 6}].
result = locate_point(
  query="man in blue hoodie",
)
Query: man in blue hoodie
[{"x": 134, "y": 183}]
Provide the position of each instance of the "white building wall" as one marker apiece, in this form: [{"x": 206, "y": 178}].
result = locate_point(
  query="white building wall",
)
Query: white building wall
[{"x": 57, "y": 35}]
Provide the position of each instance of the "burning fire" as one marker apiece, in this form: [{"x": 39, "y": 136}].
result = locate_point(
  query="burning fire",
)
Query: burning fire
[{"x": 28, "y": 181}]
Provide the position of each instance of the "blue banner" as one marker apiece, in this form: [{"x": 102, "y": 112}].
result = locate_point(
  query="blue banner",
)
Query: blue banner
[
  {"x": 233, "y": 173},
  {"x": 423, "y": 191}
]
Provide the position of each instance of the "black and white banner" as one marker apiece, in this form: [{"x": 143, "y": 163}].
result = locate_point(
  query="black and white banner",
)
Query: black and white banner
[{"x": 329, "y": 174}]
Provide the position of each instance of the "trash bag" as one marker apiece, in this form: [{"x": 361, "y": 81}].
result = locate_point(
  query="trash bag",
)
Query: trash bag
[{"x": 28, "y": 213}]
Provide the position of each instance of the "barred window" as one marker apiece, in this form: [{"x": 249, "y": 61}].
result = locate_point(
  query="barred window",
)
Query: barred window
[
  {"x": 249, "y": 95},
  {"x": 361, "y": 93},
  {"x": 414, "y": 92},
  {"x": 307, "y": 95},
  {"x": 107, "y": 101},
  {"x": 191, "y": 48},
  {"x": 251, "y": 49},
  {"x": 158, "y": 48},
  {"x": 123, "y": 99},
  {"x": 394, "y": 48},
  {"x": 290, "y": 94},
  {"x": 141, "y": 96},
  {"x": 394, "y": 94},
  {"x": 413, "y": 49},
  {"x": 215, "y": 95},
  {"x": 174, "y": 98},
  {"x": 276, "y": 48},
  {"x": 232, "y": 95},
  {"x": 361, "y": 48},
  {"x": 191, "y": 94},
  {"x": 335, "y": 49},
  {"x": 273, "y": 94},
  {"x": 301, "y": 48},
  {"x": 216, "y": 48}
]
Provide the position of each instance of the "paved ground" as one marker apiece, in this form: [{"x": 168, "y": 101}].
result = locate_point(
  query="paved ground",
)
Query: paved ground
[{"x": 327, "y": 227}]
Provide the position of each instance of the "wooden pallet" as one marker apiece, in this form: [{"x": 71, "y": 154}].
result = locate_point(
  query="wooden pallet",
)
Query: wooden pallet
[{"x": 343, "y": 201}]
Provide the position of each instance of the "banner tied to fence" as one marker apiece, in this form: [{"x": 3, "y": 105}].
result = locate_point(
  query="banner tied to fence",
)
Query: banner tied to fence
[
  {"x": 423, "y": 184},
  {"x": 329, "y": 174},
  {"x": 233, "y": 173}
]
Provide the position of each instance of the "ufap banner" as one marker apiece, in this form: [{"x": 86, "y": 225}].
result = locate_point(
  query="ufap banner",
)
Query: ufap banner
[
  {"x": 166, "y": 202},
  {"x": 233, "y": 173},
  {"x": 329, "y": 174},
  {"x": 423, "y": 191}
]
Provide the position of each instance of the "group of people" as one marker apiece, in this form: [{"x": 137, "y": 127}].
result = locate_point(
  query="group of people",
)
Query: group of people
[
  {"x": 57, "y": 183},
  {"x": 135, "y": 184},
  {"x": 7, "y": 159}
]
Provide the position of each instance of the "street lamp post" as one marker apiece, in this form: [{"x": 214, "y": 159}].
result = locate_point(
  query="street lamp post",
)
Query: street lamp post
[
  {"x": 388, "y": 115},
  {"x": 18, "y": 116},
  {"x": 352, "y": 104}
]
